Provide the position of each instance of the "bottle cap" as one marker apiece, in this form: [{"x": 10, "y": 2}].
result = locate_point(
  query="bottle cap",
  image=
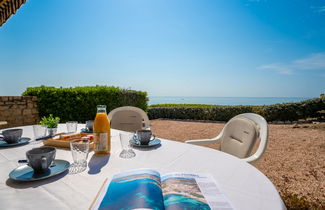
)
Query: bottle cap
[{"x": 101, "y": 106}]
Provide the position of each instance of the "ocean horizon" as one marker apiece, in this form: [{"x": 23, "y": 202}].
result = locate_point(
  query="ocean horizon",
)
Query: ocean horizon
[{"x": 223, "y": 100}]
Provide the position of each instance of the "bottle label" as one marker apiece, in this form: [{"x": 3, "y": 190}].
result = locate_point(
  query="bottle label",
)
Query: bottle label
[{"x": 101, "y": 141}]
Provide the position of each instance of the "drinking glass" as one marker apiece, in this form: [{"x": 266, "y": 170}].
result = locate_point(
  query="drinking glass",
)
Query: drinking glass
[
  {"x": 127, "y": 152},
  {"x": 79, "y": 149},
  {"x": 39, "y": 131},
  {"x": 72, "y": 126}
]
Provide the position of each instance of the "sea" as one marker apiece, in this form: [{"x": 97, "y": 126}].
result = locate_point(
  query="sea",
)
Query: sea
[{"x": 223, "y": 100}]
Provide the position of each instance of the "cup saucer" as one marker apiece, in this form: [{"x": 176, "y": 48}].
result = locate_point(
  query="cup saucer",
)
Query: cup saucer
[
  {"x": 135, "y": 142},
  {"x": 85, "y": 130},
  {"x": 25, "y": 173},
  {"x": 21, "y": 141}
]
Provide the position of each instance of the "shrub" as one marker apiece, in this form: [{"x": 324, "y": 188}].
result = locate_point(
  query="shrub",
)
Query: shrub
[
  {"x": 183, "y": 105},
  {"x": 213, "y": 113},
  {"x": 294, "y": 111},
  {"x": 79, "y": 103},
  {"x": 276, "y": 112}
]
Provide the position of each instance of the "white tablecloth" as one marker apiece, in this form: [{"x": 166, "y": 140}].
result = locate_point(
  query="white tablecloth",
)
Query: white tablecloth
[{"x": 244, "y": 185}]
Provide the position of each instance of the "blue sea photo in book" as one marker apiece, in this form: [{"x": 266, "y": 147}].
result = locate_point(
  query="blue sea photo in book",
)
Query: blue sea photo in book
[
  {"x": 182, "y": 192},
  {"x": 139, "y": 189},
  {"x": 147, "y": 189}
]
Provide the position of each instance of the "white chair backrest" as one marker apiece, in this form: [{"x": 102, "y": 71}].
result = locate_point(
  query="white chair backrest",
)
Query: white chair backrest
[
  {"x": 239, "y": 137},
  {"x": 262, "y": 132},
  {"x": 128, "y": 118}
]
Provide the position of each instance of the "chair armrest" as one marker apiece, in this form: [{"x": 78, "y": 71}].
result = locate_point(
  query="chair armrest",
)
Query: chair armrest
[
  {"x": 3, "y": 123},
  {"x": 203, "y": 141},
  {"x": 252, "y": 158}
]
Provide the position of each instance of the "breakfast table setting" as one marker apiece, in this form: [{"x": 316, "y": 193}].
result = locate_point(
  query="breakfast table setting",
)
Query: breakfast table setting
[{"x": 72, "y": 179}]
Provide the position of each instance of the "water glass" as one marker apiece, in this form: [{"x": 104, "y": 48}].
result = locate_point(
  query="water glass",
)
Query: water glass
[
  {"x": 72, "y": 126},
  {"x": 39, "y": 131},
  {"x": 126, "y": 152},
  {"x": 80, "y": 149}
]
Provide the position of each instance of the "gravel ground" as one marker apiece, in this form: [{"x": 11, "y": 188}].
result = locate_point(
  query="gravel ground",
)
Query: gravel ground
[{"x": 294, "y": 159}]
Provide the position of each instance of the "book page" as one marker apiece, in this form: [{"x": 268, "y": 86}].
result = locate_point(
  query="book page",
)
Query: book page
[
  {"x": 131, "y": 190},
  {"x": 192, "y": 191}
]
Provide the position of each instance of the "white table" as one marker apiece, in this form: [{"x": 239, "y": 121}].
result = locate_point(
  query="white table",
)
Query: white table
[{"x": 244, "y": 185}]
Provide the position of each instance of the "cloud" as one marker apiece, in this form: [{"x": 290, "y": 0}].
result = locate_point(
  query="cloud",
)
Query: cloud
[
  {"x": 315, "y": 61},
  {"x": 278, "y": 67}
]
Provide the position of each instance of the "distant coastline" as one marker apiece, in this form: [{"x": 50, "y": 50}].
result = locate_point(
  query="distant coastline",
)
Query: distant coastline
[{"x": 223, "y": 100}]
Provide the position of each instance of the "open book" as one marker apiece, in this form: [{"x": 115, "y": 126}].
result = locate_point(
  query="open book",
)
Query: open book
[{"x": 147, "y": 189}]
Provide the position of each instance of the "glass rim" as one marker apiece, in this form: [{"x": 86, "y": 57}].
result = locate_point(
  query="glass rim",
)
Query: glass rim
[
  {"x": 126, "y": 133},
  {"x": 39, "y": 125}
]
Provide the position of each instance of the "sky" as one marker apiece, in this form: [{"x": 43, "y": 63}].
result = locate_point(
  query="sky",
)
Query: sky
[{"x": 226, "y": 48}]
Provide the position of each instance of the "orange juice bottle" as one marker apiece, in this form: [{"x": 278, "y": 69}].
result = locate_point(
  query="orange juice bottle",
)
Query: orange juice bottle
[{"x": 102, "y": 131}]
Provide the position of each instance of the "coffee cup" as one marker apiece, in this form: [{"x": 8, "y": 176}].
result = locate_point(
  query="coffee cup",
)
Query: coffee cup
[
  {"x": 41, "y": 158},
  {"x": 11, "y": 136},
  {"x": 145, "y": 136}
]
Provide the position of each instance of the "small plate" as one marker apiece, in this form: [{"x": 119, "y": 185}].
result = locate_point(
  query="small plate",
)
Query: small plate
[
  {"x": 25, "y": 173},
  {"x": 20, "y": 142},
  {"x": 136, "y": 143},
  {"x": 85, "y": 130}
]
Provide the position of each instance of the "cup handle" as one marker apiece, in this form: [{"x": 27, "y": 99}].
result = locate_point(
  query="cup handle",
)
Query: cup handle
[
  {"x": 44, "y": 163},
  {"x": 153, "y": 137}
]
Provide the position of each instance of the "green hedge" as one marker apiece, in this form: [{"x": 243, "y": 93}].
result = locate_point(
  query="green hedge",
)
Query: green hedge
[
  {"x": 276, "y": 112},
  {"x": 294, "y": 111},
  {"x": 214, "y": 113},
  {"x": 183, "y": 105},
  {"x": 79, "y": 103}
]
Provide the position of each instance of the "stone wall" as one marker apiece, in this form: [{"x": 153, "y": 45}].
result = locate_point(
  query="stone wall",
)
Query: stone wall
[{"x": 18, "y": 110}]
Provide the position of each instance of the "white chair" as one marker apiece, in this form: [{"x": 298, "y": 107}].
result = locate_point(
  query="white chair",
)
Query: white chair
[
  {"x": 239, "y": 136},
  {"x": 129, "y": 118},
  {"x": 3, "y": 123}
]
